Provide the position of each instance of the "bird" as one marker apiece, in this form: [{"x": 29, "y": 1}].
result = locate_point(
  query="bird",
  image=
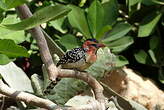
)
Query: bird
[
  {"x": 81, "y": 58},
  {"x": 78, "y": 58}
]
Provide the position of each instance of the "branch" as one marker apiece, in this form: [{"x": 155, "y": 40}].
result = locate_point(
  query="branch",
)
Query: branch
[
  {"x": 25, "y": 97},
  {"x": 92, "y": 82},
  {"x": 36, "y": 32},
  {"x": 44, "y": 103}
]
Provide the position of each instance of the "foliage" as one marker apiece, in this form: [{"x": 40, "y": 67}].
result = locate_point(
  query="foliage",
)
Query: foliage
[
  {"x": 19, "y": 36},
  {"x": 7, "y": 4},
  {"x": 39, "y": 17},
  {"x": 132, "y": 30},
  {"x": 150, "y": 53},
  {"x": 10, "y": 50}
]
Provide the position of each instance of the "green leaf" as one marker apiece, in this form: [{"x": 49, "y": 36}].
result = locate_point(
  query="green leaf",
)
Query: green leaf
[
  {"x": 16, "y": 36},
  {"x": 69, "y": 41},
  {"x": 120, "y": 44},
  {"x": 15, "y": 77},
  {"x": 161, "y": 75},
  {"x": 7, "y": 4},
  {"x": 133, "y": 2},
  {"x": 59, "y": 25},
  {"x": 2, "y": 15},
  {"x": 121, "y": 61},
  {"x": 34, "y": 46},
  {"x": 110, "y": 12},
  {"x": 148, "y": 24},
  {"x": 95, "y": 17},
  {"x": 9, "y": 48},
  {"x": 118, "y": 31},
  {"x": 153, "y": 2},
  {"x": 161, "y": 2},
  {"x": 148, "y": 2},
  {"x": 156, "y": 50},
  {"x": 154, "y": 42},
  {"x": 103, "y": 31},
  {"x": 142, "y": 57},
  {"x": 133, "y": 6},
  {"x": 82, "y": 2},
  {"x": 78, "y": 20},
  {"x": 4, "y": 59},
  {"x": 66, "y": 89},
  {"x": 41, "y": 16},
  {"x": 152, "y": 55}
]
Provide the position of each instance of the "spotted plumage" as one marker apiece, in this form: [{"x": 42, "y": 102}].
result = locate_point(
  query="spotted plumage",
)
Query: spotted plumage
[{"x": 72, "y": 56}]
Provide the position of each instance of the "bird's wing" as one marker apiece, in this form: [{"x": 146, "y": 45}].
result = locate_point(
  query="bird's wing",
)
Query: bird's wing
[{"x": 72, "y": 56}]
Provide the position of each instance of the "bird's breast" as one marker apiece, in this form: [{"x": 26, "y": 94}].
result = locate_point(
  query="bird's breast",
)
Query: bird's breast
[
  {"x": 91, "y": 58},
  {"x": 79, "y": 65}
]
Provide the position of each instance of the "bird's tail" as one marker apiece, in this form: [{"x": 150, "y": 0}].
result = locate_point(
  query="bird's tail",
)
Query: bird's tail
[
  {"x": 52, "y": 83},
  {"x": 50, "y": 87}
]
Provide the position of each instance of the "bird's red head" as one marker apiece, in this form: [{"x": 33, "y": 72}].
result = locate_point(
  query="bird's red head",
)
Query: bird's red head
[{"x": 92, "y": 45}]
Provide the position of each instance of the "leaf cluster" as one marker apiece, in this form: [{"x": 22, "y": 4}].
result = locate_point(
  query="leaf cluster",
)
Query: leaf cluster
[{"x": 132, "y": 30}]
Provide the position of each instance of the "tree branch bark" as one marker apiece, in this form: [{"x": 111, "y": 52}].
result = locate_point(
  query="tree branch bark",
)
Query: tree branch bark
[
  {"x": 92, "y": 82},
  {"x": 36, "y": 32},
  {"x": 25, "y": 97}
]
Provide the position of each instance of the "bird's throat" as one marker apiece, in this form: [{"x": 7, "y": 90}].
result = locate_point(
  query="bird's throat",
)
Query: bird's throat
[{"x": 91, "y": 57}]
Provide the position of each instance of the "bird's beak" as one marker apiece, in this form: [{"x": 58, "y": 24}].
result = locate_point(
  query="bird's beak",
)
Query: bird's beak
[{"x": 101, "y": 45}]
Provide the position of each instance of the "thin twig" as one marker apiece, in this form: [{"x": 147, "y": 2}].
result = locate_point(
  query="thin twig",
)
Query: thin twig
[{"x": 36, "y": 32}]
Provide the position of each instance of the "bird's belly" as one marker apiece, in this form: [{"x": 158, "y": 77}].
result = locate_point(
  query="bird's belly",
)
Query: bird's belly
[{"x": 80, "y": 65}]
